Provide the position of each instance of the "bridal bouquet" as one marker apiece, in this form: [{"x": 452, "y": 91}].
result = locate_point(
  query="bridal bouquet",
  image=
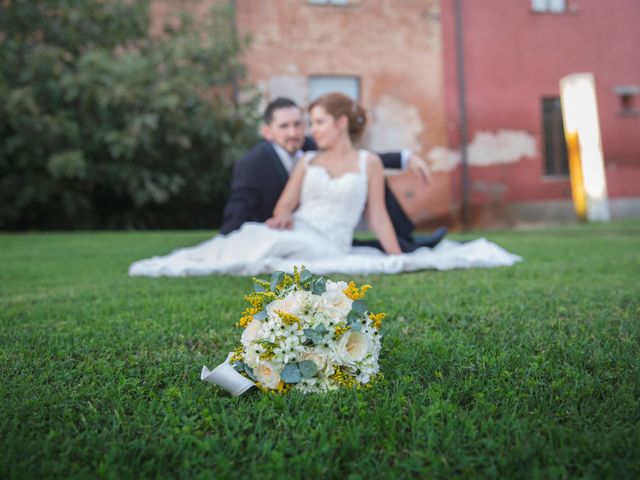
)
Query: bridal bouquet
[{"x": 304, "y": 333}]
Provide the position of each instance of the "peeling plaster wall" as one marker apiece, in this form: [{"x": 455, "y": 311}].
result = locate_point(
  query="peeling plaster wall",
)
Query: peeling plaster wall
[
  {"x": 487, "y": 148},
  {"x": 393, "y": 124}
]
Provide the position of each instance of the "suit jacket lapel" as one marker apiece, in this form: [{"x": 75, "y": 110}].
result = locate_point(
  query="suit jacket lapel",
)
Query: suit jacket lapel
[{"x": 278, "y": 167}]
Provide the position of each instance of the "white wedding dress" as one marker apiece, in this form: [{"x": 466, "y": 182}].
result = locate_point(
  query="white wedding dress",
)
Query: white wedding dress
[{"x": 329, "y": 211}]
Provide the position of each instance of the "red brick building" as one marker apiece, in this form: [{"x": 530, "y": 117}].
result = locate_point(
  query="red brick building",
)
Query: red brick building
[
  {"x": 399, "y": 58},
  {"x": 515, "y": 53}
]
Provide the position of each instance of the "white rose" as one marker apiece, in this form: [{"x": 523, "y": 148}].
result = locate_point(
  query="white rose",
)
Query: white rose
[
  {"x": 267, "y": 374},
  {"x": 353, "y": 347},
  {"x": 251, "y": 356},
  {"x": 252, "y": 332},
  {"x": 332, "y": 286},
  {"x": 334, "y": 297},
  {"x": 293, "y": 303},
  {"x": 336, "y": 305},
  {"x": 319, "y": 360}
]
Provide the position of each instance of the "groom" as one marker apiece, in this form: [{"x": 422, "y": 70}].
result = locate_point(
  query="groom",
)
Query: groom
[{"x": 260, "y": 176}]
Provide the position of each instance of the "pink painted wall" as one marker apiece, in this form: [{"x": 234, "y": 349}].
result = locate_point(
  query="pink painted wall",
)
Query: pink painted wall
[{"x": 514, "y": 57}]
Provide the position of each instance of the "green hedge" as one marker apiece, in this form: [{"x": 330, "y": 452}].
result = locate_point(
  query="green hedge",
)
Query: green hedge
[{"x": 104, "y": 125}]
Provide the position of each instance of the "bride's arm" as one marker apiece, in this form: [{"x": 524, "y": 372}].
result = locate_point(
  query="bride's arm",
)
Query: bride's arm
[
  {"x": 289, "y": 199},
  {"x": 377, "y": 214}
]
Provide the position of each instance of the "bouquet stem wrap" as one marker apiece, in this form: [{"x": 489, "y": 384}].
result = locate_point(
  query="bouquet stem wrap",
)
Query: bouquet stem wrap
[{"x": 225, "y": 376}]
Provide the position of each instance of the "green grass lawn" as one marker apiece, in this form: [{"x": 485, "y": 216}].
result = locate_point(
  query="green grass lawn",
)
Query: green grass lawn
[{"x": 526, "y": 371}]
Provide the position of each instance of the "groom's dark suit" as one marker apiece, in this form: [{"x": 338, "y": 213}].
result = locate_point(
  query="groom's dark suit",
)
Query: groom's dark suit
[{"x": 259, "y": 178}]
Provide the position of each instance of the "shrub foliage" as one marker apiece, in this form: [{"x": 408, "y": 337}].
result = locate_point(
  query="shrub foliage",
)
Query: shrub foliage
[{"x": 104, "y": 124}]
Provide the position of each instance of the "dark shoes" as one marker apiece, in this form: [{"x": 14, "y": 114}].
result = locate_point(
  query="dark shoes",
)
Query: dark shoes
[
  {"x": 429, "y": 241},
  {"x": 433, "y": 239}
]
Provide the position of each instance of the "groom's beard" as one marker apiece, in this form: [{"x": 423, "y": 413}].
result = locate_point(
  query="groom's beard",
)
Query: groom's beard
[{"x": 292, "y": 145}]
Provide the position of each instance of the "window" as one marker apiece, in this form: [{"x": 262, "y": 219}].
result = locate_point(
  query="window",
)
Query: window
[
  {"x": 555, "y": 147},
  {"x": 319, "y": 85},
  {"x": 629, "y": 96},
  {"x": 553, "y": 6}
]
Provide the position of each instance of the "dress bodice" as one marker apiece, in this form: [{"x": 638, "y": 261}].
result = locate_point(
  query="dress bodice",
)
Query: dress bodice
[{"x": 332, "y": 206}]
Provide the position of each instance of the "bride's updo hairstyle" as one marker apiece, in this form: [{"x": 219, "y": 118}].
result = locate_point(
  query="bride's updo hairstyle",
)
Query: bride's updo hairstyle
[{"x": 337, "y": 105}]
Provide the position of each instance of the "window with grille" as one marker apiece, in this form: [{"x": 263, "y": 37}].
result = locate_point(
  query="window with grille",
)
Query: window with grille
[
  {"x": 553, "y": 6},
  {"x": 555, "y": 147}
]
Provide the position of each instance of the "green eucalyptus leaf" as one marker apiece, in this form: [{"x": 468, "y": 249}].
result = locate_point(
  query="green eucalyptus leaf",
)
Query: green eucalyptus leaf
[
  {"x": 315, "y": 335},
  {"x": 276, "y": 279},
  {"x": 305, "y": 276},
  {"x": 238, "y": 366},
  {"x": 359, "y": 306},
  {"x": 261, "y": 315},
  {"x": 249, "y": 372},
  {"x": 308, "y": 369},
  {"x": 258, "y": 288},
  {"x": 353, "y": 317},
  {"x": 319, "y": 286},
  {"x": 312, "y": 335},
  {"x": 291, "y": 373},
  {"x": 321, "y": 329}
]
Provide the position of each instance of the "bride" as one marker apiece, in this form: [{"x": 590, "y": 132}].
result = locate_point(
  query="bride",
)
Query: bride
[{"x": 316, "y": 215}]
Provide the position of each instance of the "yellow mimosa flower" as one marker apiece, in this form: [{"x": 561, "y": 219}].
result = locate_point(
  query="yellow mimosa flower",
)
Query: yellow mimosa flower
[
  {"x": 377, "y": 318},
  {"x": 355, "y": 293}
]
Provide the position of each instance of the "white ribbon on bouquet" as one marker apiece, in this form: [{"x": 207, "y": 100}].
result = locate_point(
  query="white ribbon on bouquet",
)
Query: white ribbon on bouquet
[{"x": 225, "y": 376}]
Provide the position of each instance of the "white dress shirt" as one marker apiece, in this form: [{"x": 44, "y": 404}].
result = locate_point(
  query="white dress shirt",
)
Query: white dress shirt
[{"x": 288, "y": 161}]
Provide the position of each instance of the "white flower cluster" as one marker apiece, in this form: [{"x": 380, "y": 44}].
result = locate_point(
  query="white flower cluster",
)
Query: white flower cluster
[{"x": 313, "y": 335}]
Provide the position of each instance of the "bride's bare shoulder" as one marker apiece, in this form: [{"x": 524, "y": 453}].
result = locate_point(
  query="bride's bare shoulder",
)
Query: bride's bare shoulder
[
  {"x": 308, "y": 156},
  {"x": 373, "y": 161}
]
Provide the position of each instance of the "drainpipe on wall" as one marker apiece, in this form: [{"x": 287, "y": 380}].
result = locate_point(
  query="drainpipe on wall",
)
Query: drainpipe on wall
[
  {"x": 234, "y": 32},
  {"x": 462, "y": 113}
]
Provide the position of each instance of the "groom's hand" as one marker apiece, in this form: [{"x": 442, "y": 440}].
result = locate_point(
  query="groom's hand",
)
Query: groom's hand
[
  {"x": 281, "y": 222},
  {"x": 420, "y": 168}
]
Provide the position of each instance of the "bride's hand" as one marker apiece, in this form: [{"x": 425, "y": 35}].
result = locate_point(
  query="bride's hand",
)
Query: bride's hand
[
  {"x": 420, "y": 168},
  {"x": 281, "y": 222}
]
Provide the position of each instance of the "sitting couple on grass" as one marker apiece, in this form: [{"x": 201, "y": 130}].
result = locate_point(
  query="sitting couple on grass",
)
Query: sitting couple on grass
[{"x": 275, "y": 219}]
